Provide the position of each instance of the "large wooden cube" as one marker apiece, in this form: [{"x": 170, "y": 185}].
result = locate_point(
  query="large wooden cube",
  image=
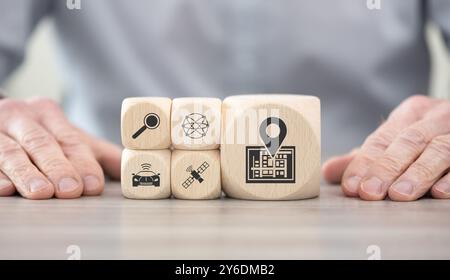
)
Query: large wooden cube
[{"x": 270, "y": 147}]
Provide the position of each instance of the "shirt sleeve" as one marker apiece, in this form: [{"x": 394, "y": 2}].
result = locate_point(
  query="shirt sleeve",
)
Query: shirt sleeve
[{"x": 17, "y": 21}]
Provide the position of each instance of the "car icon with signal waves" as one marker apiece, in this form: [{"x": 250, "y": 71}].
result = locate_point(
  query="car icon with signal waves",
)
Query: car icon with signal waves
[{"x": 146, "y": 178}]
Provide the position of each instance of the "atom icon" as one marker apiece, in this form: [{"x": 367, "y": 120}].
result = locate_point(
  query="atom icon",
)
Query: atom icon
[{"x": 195, "y": 125}]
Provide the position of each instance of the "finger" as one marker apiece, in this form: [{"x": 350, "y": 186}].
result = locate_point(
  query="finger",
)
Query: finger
[
  {"x": 46, "y": 154},
  {"x": 6, "y": 186},
  {"x": 406, "y": 114},
  {"x": 27, "y": 179},
  {"x": 424, "y": 172},
  {"x": 76, "y": 151},
  {"x": 441, "y": 189},
  {"x": 403, "y": 151},
  {"x": 107, "y": 154},
  {"x": 334, "y": 168},
  {"x": 109, "y": 157}
]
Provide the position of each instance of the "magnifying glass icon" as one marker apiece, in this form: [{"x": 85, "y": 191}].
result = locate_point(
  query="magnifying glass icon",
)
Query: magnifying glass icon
[{"x": 151, "y": 121}]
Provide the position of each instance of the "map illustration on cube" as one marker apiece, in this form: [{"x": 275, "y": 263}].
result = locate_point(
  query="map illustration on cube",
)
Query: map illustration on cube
[{"x": 262, "y": 167}]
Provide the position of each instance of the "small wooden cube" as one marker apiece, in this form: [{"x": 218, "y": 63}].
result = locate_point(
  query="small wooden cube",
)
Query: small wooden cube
[
  {"x": 146, "y": 174},
  {"x": 196, "y": 174},
  {"x": 196, "y": 123},
  {"x": 270, "y": 147},
  {"x": 146, "y": 123}
]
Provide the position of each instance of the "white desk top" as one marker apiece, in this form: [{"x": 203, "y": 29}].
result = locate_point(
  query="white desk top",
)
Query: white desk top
[{"x": 333, "y": 226}]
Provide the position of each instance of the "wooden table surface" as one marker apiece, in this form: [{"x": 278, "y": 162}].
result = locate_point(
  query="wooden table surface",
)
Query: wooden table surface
[{"x": 331, "y": 226}]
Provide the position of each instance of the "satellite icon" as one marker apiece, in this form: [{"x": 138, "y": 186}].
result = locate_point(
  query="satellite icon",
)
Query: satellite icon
[{"x": 195, "y": 175}]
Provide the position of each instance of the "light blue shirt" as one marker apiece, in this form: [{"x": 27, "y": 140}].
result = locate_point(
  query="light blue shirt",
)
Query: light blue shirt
[{"x": 360, "y": 62}]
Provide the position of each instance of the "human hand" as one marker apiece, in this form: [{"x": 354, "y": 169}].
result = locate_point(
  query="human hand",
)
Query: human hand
[
  {"x": 407, "y": 156},
  {"x": 43, "y": 155}
]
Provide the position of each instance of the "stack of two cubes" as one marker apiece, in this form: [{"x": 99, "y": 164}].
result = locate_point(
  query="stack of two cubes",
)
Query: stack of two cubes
[{"x": 171, "y": 148}]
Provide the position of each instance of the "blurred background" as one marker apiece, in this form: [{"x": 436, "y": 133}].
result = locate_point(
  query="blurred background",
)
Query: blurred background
[{"x": 39, "y": 75}]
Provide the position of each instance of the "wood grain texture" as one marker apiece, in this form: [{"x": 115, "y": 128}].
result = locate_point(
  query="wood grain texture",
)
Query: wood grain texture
[
  {"x": 187, "y": 111},
  {"x": 241, "y": 120},
  {"x": 134, "y": 112},
  {"x": 146, "y": 174},
  {"x": 329, "y": 227},
  {"x": 183, "y": 162}
]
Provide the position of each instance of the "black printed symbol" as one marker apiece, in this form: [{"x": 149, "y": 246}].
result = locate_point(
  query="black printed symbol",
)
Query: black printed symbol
[
  {"x": 195, "y": 175},
  {"x": 271, "y": 163},
  {"x": 151, "y": 121},
  {"x": 272, "y": 143},
  {"x": 146, "y": 177},
  {"x": 195, "y": 126}
]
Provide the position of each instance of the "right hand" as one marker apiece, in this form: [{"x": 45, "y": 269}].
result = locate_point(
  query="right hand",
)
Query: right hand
[{"x": 43, "y": 155}]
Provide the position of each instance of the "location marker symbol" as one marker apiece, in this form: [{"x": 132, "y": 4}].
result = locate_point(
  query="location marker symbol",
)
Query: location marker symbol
[{"x": 272, "y": 143}]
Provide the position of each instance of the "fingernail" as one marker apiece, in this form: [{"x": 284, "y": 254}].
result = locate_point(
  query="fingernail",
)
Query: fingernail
[
  {"x": 38, "y": 185},
  {"x": 91, "y": 183},
  {"x": 372, "y": 186},
  {"x": 443, "y": 187},
  {"x": 403, "y": 187},
  {"x": 67, "y": 185},
  {"x": 4, "y": 184},
  {"x": 352, "y": 184}
]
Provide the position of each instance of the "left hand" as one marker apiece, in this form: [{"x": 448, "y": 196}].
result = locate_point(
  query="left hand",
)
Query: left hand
[{"x": 407, "y": 156}]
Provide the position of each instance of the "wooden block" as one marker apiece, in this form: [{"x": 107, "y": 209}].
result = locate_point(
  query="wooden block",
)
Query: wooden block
[
  {"x": 270, "y": 147},
  {"x": 146, "y": 174},
  {"x": 196, "y": 174},
  {"x": 146, "y": 123},
  {"x": 196, "y": 123}
]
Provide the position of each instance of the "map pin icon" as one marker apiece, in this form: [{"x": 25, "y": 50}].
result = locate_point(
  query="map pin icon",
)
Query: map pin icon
[{"x": 272, "y": 143}]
